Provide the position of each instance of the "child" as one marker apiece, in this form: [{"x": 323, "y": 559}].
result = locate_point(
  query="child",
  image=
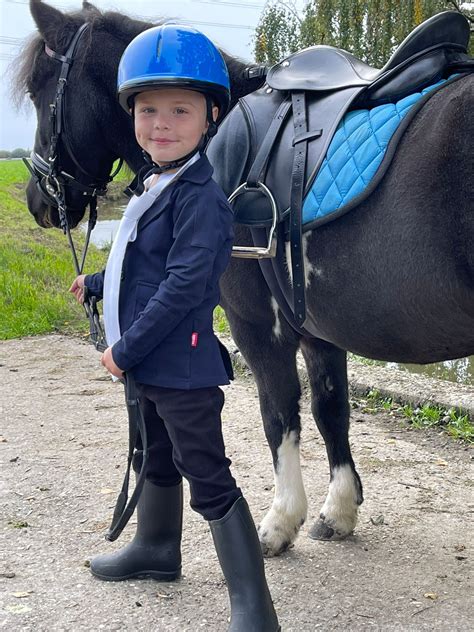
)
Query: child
[{"x": 160, "y": 288}]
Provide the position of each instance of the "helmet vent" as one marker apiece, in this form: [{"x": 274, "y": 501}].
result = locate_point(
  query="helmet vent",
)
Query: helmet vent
[{"x": 159, "y": 46}]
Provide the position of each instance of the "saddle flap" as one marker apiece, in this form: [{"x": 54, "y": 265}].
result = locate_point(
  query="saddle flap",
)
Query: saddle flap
[
  {"x": 229, "y": 150},
  {"x": 233, "y": 150}
]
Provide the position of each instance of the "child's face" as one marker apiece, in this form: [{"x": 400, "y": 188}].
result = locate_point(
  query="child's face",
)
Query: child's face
[{"x": 169, "y": 122}]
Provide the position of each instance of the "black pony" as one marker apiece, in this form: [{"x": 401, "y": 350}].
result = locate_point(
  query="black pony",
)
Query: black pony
[{"x": 393, "y": 280}]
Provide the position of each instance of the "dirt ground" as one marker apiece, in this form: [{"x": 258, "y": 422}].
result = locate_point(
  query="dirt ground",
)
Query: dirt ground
[{"x": 407, "y": 567}]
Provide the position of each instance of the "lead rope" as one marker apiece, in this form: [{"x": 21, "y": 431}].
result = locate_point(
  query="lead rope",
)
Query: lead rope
[
  {"x": 136, "y": 425},
  {"x": 123, "y": 511}
]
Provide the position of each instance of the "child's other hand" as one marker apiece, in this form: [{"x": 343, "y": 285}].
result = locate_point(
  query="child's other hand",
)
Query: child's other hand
[
  {"x": 77, "y": 288},
  {"x": 107, "y": 360}
]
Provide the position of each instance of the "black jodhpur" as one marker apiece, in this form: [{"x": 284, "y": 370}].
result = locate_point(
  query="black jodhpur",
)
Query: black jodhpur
[{"x": 185, "y": 440}]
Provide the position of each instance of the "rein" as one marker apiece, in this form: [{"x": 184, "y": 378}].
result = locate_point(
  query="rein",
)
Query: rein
[{"x": 52, "y": 182}]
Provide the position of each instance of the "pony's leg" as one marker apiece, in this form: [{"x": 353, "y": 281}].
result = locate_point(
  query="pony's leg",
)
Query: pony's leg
[
  {"x": 269, "y": 346},
  {"x": 327, "y": 373}
]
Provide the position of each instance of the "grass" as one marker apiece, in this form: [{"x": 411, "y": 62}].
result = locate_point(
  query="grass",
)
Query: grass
[
  {"x": 221, "y": 325},
  {"x": 452, "y": 421},
  {"x": 36, "y": 266}
]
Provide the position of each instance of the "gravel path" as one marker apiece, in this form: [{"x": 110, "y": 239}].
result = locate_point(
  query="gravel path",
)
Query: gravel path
[{"x": 407, "y": 567}]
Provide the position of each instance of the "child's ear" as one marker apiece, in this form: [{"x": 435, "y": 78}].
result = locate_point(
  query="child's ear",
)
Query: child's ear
[{"x": 215, "y": 112}]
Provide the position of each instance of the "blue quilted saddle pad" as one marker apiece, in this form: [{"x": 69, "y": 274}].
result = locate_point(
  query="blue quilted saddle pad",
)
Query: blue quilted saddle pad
[{"x": 354, "y": 155}]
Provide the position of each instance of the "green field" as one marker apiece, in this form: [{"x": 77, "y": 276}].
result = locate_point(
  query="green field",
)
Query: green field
[{"x": 36, "y": 266}]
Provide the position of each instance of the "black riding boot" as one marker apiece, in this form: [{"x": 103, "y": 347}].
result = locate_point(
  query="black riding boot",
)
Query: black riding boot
[
  {"x": 155, "y": 551},
  {"x": 240, "y": 557}
]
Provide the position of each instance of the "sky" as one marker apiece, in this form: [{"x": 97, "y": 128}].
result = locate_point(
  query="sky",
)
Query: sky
[{"x": 229, "y": 23}]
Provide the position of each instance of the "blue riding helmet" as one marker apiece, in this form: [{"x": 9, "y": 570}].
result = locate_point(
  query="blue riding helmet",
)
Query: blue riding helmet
[{"x": 173, "y": 55}]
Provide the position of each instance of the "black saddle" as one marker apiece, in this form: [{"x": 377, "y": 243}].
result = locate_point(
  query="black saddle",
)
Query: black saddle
[{"x": 266, "y": 160}]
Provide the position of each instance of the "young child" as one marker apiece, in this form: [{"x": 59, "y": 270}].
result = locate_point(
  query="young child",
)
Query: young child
[{"x": 160, "y": 288}]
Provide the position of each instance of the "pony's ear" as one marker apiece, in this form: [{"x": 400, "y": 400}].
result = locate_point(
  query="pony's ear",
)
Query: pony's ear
[
  {"x": 49, "y": 21},
  {"x": 87, "y": 6}
]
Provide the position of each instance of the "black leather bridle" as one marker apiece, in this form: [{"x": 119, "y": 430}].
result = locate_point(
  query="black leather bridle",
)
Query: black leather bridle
[{"x": 52, "y": 182}]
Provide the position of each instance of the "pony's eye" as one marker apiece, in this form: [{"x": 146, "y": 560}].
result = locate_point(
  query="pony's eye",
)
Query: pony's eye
[{"x": 31, "y": 95}]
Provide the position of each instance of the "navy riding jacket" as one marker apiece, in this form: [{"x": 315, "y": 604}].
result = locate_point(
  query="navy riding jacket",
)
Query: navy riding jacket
[{"x": 170, "y": 285}]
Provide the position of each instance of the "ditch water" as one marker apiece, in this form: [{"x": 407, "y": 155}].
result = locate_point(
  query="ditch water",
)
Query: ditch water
[
  {"x": 460, "y": 371},
  {"x": 106, "y": 228}
]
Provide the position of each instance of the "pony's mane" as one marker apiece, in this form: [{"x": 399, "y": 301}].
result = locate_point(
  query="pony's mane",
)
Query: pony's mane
[{"x": 25, "y": 64}]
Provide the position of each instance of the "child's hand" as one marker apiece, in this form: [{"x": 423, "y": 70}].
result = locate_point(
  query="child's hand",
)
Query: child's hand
[
  {"x": 77, "y": 288},
  {"x": 107, "y": 360}
]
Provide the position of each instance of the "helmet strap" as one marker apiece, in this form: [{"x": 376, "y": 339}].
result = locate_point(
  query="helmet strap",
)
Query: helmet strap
[
  {"x": 212, "y": 129},
  {"x": 137, "y": 186}
]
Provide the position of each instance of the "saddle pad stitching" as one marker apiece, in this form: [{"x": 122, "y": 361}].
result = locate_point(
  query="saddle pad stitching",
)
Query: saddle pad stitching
[
  {"x": 371, "y": 127},
  {"x": 359, "y": 147},
  {"x": 374, "y": 131},
  {"x": 341, "y": 196},
  {"x": 334, "y": 184},
  {"x": 387, "y": 159},
  {"x": 380, "y": 134},
  {"x": 362, "y": 177},
  {"x": 328, "y": 166},
  {"x": 365, "y": 179},
  {"x": 349, "y": 159}
]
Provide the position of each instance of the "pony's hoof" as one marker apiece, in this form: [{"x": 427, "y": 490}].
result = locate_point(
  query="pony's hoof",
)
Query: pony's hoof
[
  {"x": 272, "y": 550},
  {"x": 321, "y": 530},
  {"x": 277, "y": 535},
  {"x": 272, "y": 541}
]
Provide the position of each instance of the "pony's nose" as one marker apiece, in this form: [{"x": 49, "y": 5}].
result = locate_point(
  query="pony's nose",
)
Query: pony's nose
[{"x": 36, "y": 206}]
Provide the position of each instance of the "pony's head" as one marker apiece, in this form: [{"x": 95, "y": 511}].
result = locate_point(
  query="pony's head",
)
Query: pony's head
[{"x": 78, "y": 116}]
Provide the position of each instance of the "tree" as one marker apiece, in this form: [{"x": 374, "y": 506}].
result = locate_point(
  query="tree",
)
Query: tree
[
  {"x": 370, "y": 29},
  {"x": 19, "y": 153},
  {"x": 276, "y": 35}
]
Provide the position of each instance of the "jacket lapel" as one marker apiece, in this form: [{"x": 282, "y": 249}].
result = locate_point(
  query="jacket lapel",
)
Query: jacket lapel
[
  {"x": 197, "y": 173},
  {"x": 156, "y": 209}
]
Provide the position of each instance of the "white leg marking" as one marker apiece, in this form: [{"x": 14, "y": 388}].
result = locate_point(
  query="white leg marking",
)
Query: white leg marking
[
  {"x": 309, "y": 268},
  {"x": 288, "y": 512},
  {"x": 276, "y": 330},
  {"x": 340, "y": 508}
]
